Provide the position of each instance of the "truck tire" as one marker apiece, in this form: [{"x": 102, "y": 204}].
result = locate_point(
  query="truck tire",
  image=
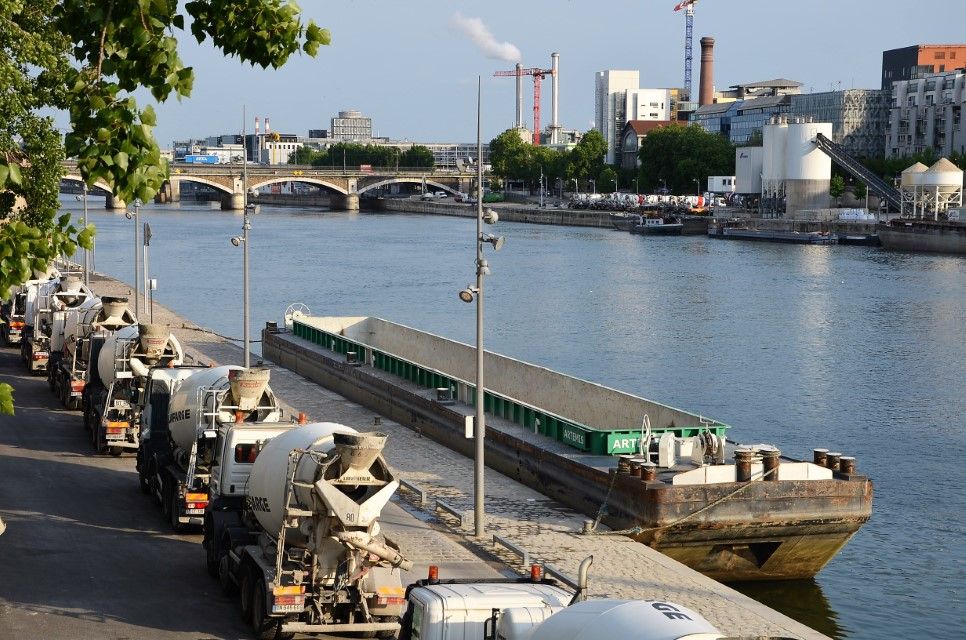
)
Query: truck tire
[
  {"x": 212, "y": 557},
  {"x": 115, "y": 451},
  {"x": 265, "y": 628},
  {"x": 228, "y": 585},
  {"x": 170, "y": 499},
  {"x": 246, "y": 594},
  {"x": 144, "y": 483}
]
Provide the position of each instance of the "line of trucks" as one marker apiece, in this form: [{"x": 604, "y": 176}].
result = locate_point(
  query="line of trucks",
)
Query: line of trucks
[{"x": 289, "y": 510}]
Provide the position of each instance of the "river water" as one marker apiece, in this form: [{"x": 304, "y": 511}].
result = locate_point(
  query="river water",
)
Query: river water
[{"x": 849, "y": 348}]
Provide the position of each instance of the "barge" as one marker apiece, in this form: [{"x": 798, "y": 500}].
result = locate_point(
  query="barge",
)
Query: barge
[
  {"x": 678, "y": 484},
  {"x": 924, "y": 235},
  {"x": 727, "y": 232}
]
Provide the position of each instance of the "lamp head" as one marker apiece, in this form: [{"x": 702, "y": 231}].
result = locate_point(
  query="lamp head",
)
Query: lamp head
[
  {"x": 466, "y": 295},
  {"x": 235, "y": 240},
  {"x": 128, "y": 215},
  {"x": 490, "y": 216}
]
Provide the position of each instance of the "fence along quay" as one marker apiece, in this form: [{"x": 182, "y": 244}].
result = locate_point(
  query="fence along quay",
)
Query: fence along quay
[{"x": 682, "y": 487}]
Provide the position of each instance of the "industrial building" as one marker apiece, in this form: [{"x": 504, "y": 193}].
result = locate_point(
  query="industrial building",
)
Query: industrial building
[
  {"x": 744, "y": 109},
  {"x": 351, "y": 125},
  {"x": 618, "y": 98},
  {"x": 927, "y": 113},
  {"x": 631, "y": 138},
  {"x": 920, "y": 60},
  {"x": 859, "y": 117}
]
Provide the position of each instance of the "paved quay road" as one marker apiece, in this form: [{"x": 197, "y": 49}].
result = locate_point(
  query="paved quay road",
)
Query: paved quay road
[{"x": 86, "y": 555}]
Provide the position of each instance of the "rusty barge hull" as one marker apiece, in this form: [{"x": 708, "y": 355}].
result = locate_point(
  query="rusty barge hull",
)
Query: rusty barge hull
[{"x": 738, "y": 531}]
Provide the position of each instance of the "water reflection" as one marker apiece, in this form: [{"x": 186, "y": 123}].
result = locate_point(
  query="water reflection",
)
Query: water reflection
[{"x": 800, "y": 600}]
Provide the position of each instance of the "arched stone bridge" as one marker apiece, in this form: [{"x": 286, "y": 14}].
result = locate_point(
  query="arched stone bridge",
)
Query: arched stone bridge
[{"x": 345, "y": 185}]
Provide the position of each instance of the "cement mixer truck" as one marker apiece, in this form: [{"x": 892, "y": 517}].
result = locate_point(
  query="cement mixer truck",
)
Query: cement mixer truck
[
  {"x": 43, "y": 299},
  {"x": 70, "y": 338},
  {"x": 305, "y": 552},
  {"x": 119, "y": 365},
  {"x": 540, "y": 609},
  {"x": 14, "y": 310},
  {"x": 196, "y": 424}
]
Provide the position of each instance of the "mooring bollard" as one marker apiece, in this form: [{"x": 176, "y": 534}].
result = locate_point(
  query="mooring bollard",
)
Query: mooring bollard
[
  {"x": 819, "y": 456},
  {"x": 648, "y": 472},
  {"x": 770, "y": 458},
  {"x": 833, "y": 461},
  {"x": 847, "y": 464},
  {"x": 743, "y": 458}
]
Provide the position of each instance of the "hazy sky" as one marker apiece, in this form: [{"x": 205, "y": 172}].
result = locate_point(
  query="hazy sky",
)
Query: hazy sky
[{"x": 410, "y": 68}]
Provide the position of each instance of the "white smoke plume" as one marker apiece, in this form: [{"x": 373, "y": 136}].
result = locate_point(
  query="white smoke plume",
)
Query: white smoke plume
[{"x": 481, "y": 36}]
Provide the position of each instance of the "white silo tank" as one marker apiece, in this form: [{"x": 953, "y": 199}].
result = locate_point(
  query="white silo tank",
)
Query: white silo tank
[
  {"x": 910, "y": 176},
  {"x": 944, "y": 175},
  {"x": 808, "y": 170},
  {"x": 773, "y": 162}
]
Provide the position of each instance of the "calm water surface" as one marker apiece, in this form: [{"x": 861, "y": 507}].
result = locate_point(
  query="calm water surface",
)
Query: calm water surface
[{"x": 854, "y": 349}]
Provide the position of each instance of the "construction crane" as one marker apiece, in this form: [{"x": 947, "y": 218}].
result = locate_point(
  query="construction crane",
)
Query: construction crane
[
  {"x": 538, "y": 76},
  {"x": 688, "y": 7}
]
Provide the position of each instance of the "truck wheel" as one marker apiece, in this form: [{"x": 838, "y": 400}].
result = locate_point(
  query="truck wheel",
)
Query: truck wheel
[
  {"x": 265, "y": 627},
  {"x": 50, "y": 379},
  {"x": 228, "y": 585},
  {"x": 100, "y": 443},
  {"x": 144, "y": 483},
  {"x": 211, "y": 549},
  {"x": 156, "y": 489},
  {"x": 171, "y": 500},
  {"x": 115, "y": 451},
  {"x": 246, "y": 593}
]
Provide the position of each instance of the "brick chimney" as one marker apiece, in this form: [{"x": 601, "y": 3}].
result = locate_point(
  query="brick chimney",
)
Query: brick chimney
[{"x": 706, "y": 90}]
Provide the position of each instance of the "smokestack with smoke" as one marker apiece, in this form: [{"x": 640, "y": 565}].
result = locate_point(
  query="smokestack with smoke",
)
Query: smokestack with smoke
[{"x": 482, "y": 38}]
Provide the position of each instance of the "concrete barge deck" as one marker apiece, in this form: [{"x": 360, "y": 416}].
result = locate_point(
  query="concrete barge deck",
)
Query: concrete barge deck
[{"x": 440, "y": 483}]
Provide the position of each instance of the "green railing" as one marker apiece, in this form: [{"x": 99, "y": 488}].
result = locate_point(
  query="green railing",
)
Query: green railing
[{"x": 573, "y": 434}]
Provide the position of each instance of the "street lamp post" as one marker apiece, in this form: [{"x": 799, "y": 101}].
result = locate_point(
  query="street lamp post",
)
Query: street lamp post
[
  {"x": 468, "y": 295},
  {"x": 137, "y": 256},
  {"x": 697, "y": 186},
  {"x": 243, "y": 241},
  {"x": 576, "y": 186},
  {"x": 87, "y": 253},
  {"x": 593, "y": 184},
  {"x": 635, "y": 186}
]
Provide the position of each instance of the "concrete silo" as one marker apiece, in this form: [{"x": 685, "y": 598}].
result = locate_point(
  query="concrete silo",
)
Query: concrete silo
[
  {"x": 808, "y": 170},
  {"x": 941, "y": 187}
]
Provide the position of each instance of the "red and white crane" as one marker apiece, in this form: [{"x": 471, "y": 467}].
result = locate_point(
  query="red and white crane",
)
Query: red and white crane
[{"x": 538, "y": 76}]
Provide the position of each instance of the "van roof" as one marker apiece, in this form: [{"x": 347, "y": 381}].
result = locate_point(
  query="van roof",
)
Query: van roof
[{"x": 483, "y": 595}]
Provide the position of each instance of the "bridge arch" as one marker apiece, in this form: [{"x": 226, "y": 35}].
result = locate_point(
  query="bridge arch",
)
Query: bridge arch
[
  {"x": 313, "y": 181},
  {"x": 211, "y": 183},
  {"x": 100, "y": 184},
  {"x": 395, "y": 180}
]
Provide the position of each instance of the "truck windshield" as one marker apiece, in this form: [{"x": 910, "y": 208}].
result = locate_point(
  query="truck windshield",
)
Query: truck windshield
[{"x": 246, "y": 452}]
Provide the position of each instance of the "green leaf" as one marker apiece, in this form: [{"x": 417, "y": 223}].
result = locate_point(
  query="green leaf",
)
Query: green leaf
[
  {"x": 15, "y": 177},
  {"x": 148, "y": 116},
  {"x": 120, "y": 159}
]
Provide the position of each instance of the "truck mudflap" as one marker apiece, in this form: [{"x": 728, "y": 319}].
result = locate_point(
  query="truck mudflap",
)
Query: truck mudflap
[{"x": 304, "y": 627}]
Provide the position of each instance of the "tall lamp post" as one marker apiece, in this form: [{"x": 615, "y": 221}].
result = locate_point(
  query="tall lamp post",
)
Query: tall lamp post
[
  {"x": 468, "y": 295},
  {"x": 87, "y": 253},
  {"x": 593, "y": 184},
  {"x": 137, "y": 256},
  {"x": 242, "y": 241}
]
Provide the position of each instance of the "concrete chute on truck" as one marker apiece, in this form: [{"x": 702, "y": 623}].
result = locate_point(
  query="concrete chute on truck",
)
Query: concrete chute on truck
[
  {"x": 196, "y": 423},
  {"x": 306, "y": 552},
  {"x": 119, "y": 365},
  {"x": 73, "y": 333}
]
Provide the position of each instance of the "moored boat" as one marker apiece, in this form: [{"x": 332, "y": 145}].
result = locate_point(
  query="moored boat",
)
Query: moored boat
[
  {"x": 923, "y": 235},
  {"x": 658, "y": 226},
  {"x": 679, "y": 484},
  {"x": 623, "y": 221},
  {"x": 727, "y": 232}
]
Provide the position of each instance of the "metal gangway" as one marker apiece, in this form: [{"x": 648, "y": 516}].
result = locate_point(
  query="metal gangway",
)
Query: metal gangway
[{"x": 859, "y": 171}]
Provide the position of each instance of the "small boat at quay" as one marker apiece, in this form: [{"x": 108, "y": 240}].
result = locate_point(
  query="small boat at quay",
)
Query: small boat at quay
[
  {"x": 658, "y": 226},
  {"x": 727, "y": 232},
  {"x": 623, "y": 221},
  {"x": 672, "y": 479}
]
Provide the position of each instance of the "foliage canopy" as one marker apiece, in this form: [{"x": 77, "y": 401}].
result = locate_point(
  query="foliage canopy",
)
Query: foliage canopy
[{"x": 88, "y": 57}]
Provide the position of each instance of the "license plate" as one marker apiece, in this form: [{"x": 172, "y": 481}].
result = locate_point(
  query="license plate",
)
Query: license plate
[
  {"x": 114, "y": 436},
  {"x": 122, "y": 404},
  {"x": 195, "y": 512},
  {"x": 287, "y": 608}
]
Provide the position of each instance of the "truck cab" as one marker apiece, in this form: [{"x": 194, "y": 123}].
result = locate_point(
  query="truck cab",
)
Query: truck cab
[
  {"x": 236, "y": 448},
  {"x": 451, "y": 610}
]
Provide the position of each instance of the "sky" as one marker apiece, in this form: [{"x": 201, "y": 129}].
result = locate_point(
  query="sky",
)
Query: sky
[{"x": 412, "y": 69}]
